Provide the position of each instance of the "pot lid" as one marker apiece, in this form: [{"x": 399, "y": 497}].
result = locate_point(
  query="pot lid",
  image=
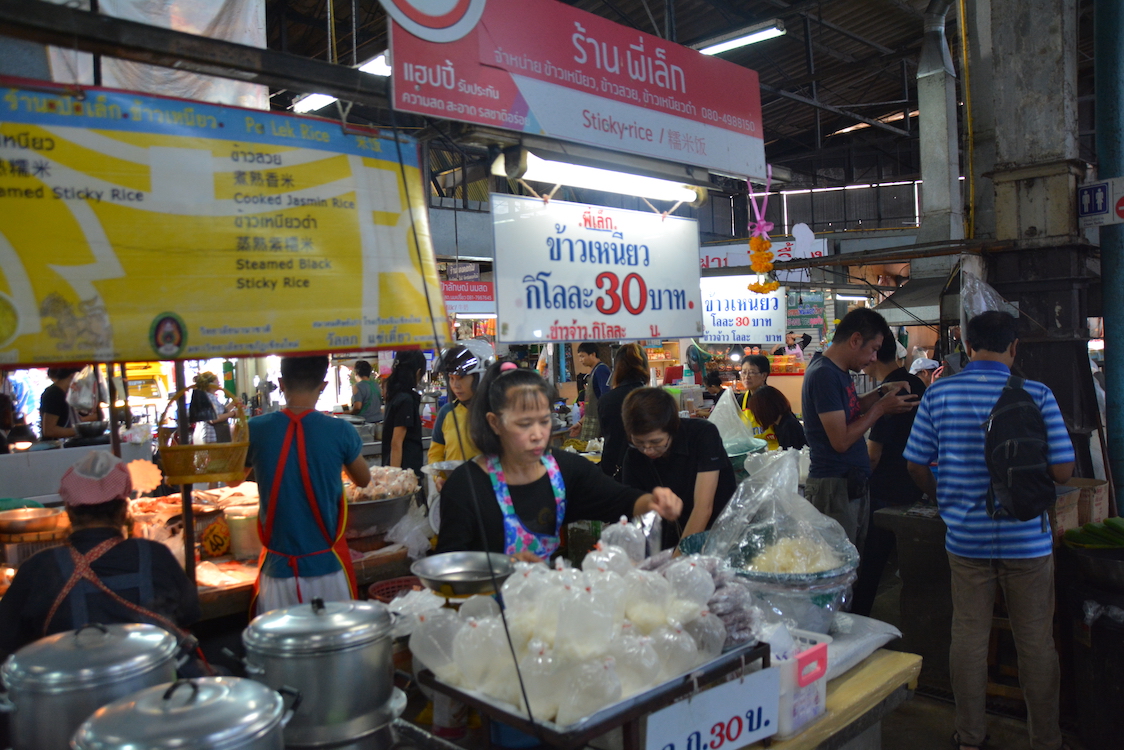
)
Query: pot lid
[
  {"x": 318, "y": 627},
  {"x": 92, "y": 655},
  {"x": 209, "y": 713}
]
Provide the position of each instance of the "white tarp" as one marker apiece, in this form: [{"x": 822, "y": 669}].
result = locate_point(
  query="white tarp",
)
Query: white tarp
[{"x": 240, "y": 21}]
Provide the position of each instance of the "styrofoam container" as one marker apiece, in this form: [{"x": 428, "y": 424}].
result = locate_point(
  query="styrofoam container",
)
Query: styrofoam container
[{"x": 803, "y": 695}]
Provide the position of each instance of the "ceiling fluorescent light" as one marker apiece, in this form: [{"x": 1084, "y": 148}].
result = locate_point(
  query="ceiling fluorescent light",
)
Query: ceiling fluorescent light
[
  {"x": 312, "y": 103},
  {"x": 741, "y": 37},
  {"x": 851, "y": 298},
  {"x": 377, "y": 66},
  {"x": 595, "y": 178}
]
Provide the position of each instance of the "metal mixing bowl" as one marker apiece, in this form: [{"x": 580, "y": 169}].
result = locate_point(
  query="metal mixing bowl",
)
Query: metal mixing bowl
[
  {"x": 30, "y": 520},
  {"x": 91, "y": 429},
  {"x": 463, "y": 573}
]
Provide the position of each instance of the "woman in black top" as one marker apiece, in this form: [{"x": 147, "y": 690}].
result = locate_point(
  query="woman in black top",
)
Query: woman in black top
[
  {"x": 401, "y": 427},
  {"x": 685, "y": 455},
  {"x": 56, "y": 417},
  {"x": 770, "y": 408},
  {"x": 629, "y": 373},
  {"x": 515, "y": 496}
]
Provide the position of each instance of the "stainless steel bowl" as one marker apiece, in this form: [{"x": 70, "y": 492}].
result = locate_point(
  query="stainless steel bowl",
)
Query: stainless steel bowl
[
  {"x": 463, "y": 573},
  {"x": 31, "y": 520}
]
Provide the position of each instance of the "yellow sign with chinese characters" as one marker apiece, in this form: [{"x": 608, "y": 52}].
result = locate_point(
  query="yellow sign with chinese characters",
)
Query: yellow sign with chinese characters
[{"x": 135, "y": 227}]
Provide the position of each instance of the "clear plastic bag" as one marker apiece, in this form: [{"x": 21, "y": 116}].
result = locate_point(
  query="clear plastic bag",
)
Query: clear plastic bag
[
  {"x": 478, "y": 607},
  {"x": 524, "y": 585},
  {"x": 432, "y": 643},
  {"x": 479, "y": 649},
  {"x": 709, "y": 633},
  {"x": 585, "y": 626},
  {"x": 690, "y": 580},
  {"x": 769, "y": 529},
  {"x": 726, "y": 416},
  {"x": 638, "y": 664},
  {"x": 408, "y": 606},
  {"x": 587, "y": 688},
  {"x": 610, "y": 590},
  {"x": 676, "y": 649},
  {"x": 608, "y": 557},
  {"x": 647, "y": 597},
  {"x": 628, "y": 537},
  {"x": 977, "y": 296},
  {"x": 412, "y": 530},
  {"x": 540, "y": 679}
]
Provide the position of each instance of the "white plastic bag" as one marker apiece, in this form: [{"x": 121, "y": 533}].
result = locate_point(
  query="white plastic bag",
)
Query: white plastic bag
[
  {"x": 648, "y": 595},
  {"x": 709, "y": 633},
  {"x": 412, "y": 530},
  {"x": 637, "y": 663},
  {"x": 737, "y": 438},
  {"x": 432, "y": 643},
  {"x": 480, "y": 649},
  {"x": 607, "y": 557},
  {"x": 540, "y": 679},
  {"x": 690, "y": 580},
  {"x": 676, "y": 649},
  {"x": 585, "y": 626},
  {"x": 628, "y": 537},
  {"x": 587, "y": 688}
]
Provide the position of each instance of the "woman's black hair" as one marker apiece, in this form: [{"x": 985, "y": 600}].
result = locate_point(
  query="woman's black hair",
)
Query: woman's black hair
[
  {"x": 61, "y": 373},
  {"x": 768, "y": 405},
  {"x": 110, "y": 512},
  {"x": 760, "y": 361},
  {"x": 404, "y": 374},
  {"x": 363, "y": 368},
  {"x": 648, "y": 410},
  {"x": 499, "y": 390}
]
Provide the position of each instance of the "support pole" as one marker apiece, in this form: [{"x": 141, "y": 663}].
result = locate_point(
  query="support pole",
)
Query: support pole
[
  {"x": 1108, "y": 28},
  {"x": 183, "y": 428},
  {"x": 114, "y": 415}
]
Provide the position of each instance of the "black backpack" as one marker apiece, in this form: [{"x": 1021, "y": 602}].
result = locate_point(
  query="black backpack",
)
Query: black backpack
[{"x": 1016, "y": 450}]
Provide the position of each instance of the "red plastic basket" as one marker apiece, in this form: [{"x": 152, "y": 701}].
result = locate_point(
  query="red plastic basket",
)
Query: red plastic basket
[{"x": 385, "y": 591}]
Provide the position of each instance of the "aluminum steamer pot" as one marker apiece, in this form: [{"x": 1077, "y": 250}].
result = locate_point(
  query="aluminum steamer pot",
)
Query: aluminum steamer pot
[
  {"x": 338, "y": 655},
  {"x": 55, "y": 683},
  {"x": 210, "y": 713}
]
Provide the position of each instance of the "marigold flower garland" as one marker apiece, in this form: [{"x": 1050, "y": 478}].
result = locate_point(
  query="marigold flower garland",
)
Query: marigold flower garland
[{"x": 760, "y": 256}]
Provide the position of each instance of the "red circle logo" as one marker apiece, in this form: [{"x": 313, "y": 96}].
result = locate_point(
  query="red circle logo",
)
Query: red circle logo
[
  {"x": 436, "y": 20},
  {"x": 1120, "y": 208}
]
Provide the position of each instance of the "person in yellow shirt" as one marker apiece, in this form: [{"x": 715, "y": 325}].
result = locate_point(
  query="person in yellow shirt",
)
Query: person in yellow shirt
[
  {"x": 463, "y": 364},
  {"x": 755, "y": 374}
]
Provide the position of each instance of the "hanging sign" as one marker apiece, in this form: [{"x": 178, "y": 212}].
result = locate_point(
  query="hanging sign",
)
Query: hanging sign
[
  {"x": 732, "y": 715},
  {"x": 806, "y": 310},
  {"x": 139, "y": 227},
  {"x": 734, "y": 315},
  {"x": 803, "y": 244},
  {"x": 543, "y": 67},
  {"x": 469, "y": 297},
  {"x": 571, "y": 272}
]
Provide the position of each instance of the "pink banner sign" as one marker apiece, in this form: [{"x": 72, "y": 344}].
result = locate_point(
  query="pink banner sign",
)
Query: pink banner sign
[{"x": 542, "y": 67}]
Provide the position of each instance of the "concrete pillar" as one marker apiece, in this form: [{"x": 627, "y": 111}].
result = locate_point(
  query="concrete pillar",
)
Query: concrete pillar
[
  {"x": 1034, "y": 66},
  {"x": 980, "y": 66}
]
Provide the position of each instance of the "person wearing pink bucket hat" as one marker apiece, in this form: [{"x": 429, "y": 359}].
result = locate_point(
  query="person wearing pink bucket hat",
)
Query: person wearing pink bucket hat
[{"x": 98, "y": 576}]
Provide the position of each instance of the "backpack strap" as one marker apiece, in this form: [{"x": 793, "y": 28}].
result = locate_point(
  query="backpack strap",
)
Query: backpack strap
[{"x": 1015, "y": 382}]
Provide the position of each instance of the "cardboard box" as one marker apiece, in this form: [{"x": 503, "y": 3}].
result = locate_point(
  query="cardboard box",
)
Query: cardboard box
[
  {"x": 1092, "y": 503},
  {"x": 1065, "y": 514}
]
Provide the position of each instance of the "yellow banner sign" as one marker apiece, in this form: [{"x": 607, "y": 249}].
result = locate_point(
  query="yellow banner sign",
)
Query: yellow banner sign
[{"x": 136, "y": 227}]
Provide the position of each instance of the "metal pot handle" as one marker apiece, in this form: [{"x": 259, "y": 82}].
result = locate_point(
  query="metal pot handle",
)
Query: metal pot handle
[
  {"x": 175, "y": 685},
  {"x": 96, "y": 625},
  {"x": 296, "y": 696},
  {"x": 317, "y": 605},
  {"x": 251, "y": 669}
]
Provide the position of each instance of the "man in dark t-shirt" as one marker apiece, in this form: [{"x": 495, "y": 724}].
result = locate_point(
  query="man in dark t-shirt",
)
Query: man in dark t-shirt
[
  {"x": 890, "y": 483},
  {"x": 836, "y": 418}
]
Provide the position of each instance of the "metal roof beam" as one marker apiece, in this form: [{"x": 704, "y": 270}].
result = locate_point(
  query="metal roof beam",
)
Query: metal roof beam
[
  {"x": 835, "y": 110},
  {"x": 68, "y": 28}
]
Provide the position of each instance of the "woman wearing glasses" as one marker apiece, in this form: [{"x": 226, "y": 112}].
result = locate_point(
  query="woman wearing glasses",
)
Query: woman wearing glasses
[
  {"x": 684, "y": 455},
  {"x": 755, "y": 376},
  {"x": 515, "y": 497}
]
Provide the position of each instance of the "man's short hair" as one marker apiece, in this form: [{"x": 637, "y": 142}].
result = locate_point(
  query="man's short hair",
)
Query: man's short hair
[
  {"x": 861, "y": 320},
  {"x": 589, "y": 348},
  {"x": 303, "y": 373},
  {"x": 888, "y": 352},
  {"x": 992, "y": 331}
]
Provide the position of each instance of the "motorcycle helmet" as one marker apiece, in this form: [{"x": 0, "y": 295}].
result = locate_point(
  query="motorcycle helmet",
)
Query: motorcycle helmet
[{"x": 470, "y": 357}]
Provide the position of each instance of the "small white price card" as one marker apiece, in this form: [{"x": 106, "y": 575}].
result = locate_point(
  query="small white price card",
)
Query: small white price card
[{"x": 726, "y": 717}]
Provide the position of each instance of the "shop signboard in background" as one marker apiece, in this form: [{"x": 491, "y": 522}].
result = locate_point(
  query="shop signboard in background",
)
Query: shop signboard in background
[
  {"x": 734, "y": 315},
  {"x": 543, "y": 67},
  {"x": 462, "y": 271},
  {"x": 469, "y": 297},
  {"x": 572, "y": 272},
  {"x": 802, "y": 244},
  {"x": 136, "y": 227},
  {"x": 806, "y": 310}
]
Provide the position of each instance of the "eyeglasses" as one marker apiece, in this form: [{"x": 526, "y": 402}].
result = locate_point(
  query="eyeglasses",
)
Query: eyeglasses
[{"x": 656, "y": 447}]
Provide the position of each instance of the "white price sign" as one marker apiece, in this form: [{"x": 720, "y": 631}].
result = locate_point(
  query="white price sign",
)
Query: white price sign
[
  {"x": 572, "y": 272},
  {"x": 726, "y": 717},
  {"x": 734, "y": 315}
]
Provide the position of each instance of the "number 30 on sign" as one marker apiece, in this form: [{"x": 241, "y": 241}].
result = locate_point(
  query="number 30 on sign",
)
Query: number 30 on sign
[{"x": 727, "y": 717}]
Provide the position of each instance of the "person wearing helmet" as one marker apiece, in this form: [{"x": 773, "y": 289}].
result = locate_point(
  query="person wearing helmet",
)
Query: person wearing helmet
[
  {"x": 463, "y": 364},
  {"x": 98, "y": 575}
]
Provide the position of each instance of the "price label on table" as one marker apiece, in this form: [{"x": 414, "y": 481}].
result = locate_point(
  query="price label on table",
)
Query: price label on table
[{"x": 725, "y": 717}]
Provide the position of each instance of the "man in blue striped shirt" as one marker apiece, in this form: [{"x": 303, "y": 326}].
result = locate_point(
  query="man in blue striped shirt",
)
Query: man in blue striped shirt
[{"x": 982, "y": 551}]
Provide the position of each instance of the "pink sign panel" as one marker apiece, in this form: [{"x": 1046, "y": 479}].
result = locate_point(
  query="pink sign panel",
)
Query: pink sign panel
[{"x": 542, "y": 67}]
